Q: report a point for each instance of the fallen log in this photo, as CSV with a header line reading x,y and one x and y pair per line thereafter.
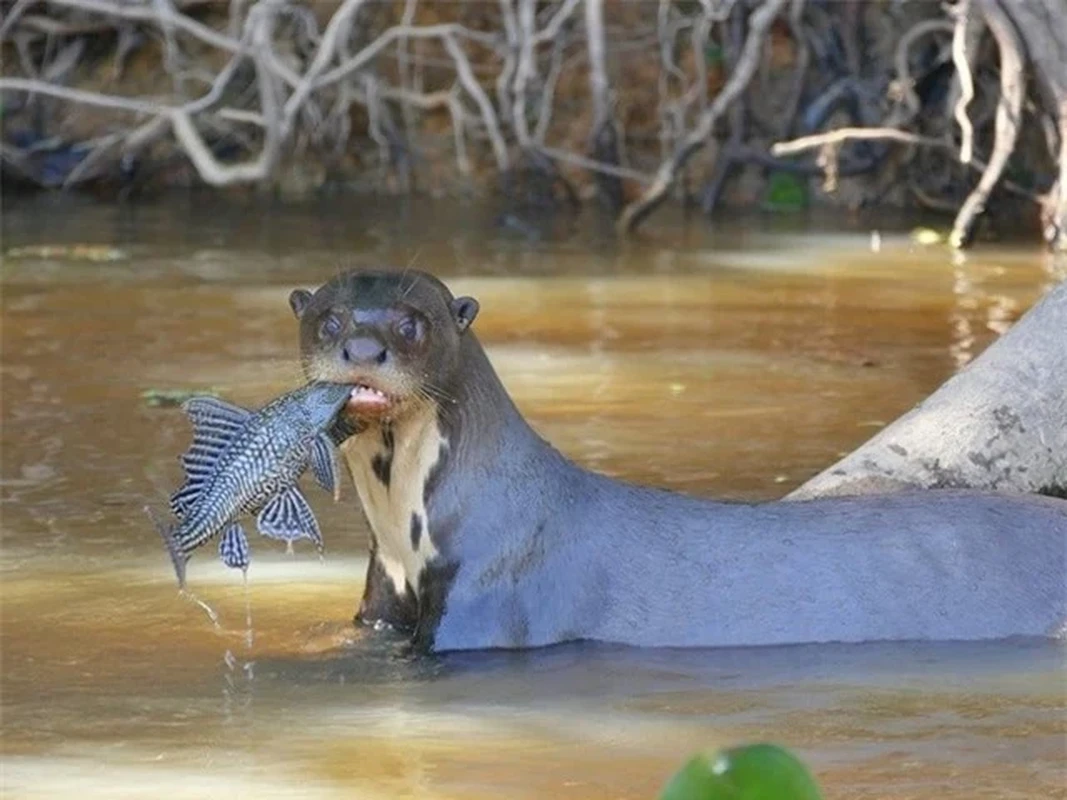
x,y
998,424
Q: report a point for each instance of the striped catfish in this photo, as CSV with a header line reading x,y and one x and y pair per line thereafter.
x,y
244,462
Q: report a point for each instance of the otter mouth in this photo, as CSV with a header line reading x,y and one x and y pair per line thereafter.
x,y
366,400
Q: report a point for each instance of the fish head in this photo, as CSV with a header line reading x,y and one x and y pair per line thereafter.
x,y
397,337
321,400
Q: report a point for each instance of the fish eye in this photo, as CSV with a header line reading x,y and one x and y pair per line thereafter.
x,y
330,326
409,329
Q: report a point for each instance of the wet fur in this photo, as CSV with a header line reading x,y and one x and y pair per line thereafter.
x,y
530,549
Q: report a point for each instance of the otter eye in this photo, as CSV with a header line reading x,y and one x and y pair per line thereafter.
x,y
408,327
330,326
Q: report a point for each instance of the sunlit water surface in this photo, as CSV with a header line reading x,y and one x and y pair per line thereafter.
x,y
733,361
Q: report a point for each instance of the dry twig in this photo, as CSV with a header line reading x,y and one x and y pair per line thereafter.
x,y
759,23
965,37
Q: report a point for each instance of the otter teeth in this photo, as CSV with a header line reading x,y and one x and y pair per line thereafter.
x,y
361,390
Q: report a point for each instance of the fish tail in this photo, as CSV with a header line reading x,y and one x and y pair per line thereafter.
x,y
167,531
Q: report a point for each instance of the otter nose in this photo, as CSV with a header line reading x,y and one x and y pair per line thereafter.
x,y
364,350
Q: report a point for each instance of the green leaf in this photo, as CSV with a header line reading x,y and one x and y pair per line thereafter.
x,y
713,54
751,772
785,192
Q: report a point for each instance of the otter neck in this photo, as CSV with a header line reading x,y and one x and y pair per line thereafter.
x,y
479,417
391,463
401,467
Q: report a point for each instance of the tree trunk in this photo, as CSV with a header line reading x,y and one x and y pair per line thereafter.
x,y
999,424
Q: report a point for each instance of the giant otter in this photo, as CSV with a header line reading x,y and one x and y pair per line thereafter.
x,y
485,536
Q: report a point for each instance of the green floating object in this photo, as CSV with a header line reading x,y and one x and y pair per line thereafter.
x,y
752,772
169,398
72,252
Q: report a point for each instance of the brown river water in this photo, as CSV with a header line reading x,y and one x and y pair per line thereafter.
x,y
733,361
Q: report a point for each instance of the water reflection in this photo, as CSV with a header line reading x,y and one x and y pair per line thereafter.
x,y
734,362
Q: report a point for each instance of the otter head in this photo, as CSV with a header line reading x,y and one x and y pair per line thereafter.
x,y
395,336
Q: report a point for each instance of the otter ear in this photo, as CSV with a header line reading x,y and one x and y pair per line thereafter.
x,y
464,310
298,301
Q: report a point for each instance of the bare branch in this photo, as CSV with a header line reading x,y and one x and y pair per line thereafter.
x,y
553,27
169,16
180,117
841,135
368,53
759,23
965,38
698,38
548,92
603,138
1006,128
667,69
374,121
94,157
595,166
13,16
904,82
511,53
474,89
339,25
48,26
146,13
308,83
80,96
261,21
599,87
404,67
236,12
524,71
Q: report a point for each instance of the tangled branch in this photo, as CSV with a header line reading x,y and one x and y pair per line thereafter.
x,y
761,19
621,97
972,19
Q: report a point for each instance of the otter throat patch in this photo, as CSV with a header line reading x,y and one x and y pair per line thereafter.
x,y
390,466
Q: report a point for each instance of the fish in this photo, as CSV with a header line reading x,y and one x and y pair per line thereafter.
x,y
244,462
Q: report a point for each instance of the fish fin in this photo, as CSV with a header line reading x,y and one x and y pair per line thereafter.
x,y
287,516
233,547
324,465
215,424
167,530
183,499
221,413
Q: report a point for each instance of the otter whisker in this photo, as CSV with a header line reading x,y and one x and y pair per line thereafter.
x,y
406,271
406,291
424,400
414,258
431,390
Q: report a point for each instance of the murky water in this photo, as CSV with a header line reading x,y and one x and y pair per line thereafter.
x,y
733,362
